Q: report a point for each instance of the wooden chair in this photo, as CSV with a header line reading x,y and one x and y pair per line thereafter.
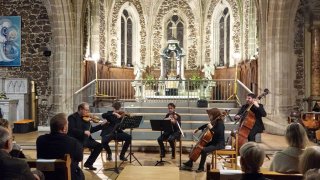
x,y
175,145
228,154
216,174
52,165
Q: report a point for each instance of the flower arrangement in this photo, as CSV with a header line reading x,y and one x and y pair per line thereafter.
x,y
3,95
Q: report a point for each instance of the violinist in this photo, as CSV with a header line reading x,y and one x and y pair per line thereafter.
x,y
113,131
81,129
216,127
170,136
258,111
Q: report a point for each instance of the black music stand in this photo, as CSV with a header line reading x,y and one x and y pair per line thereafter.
x,y
116,127
131,122
161,125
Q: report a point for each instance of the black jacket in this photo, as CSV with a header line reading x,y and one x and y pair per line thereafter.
x,y
77,126
13,168
218,132
259,113
55,146
175,126
113,124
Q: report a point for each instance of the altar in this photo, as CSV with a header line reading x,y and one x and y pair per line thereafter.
x,y
9,109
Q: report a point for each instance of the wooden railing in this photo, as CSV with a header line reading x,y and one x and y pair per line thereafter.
x,y
219,90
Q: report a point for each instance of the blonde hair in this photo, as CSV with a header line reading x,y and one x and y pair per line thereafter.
x,y
251,156
310,159
296,135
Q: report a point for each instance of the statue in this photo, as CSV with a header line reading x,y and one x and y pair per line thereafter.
x,y
208,70
138,70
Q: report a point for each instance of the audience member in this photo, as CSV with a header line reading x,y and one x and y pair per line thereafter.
x,y
287,161
16,149
56,144
310,159
11,167
251,159
312,174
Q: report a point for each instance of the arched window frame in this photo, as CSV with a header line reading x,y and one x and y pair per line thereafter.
x,y
175,25
184,19
215,38
136,27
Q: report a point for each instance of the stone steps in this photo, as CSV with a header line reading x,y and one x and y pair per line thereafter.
x,y
191,116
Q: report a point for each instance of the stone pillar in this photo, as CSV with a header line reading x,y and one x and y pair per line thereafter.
x,y
315,61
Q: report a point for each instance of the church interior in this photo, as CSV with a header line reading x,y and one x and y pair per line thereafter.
x,y
146,54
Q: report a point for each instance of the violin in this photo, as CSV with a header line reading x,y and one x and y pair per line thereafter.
x,y
89,117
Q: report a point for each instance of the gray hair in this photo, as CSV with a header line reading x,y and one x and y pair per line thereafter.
x,y
4,136
252,155
310,159
296,135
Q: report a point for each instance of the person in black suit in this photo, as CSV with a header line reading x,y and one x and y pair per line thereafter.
x,y
56,144
113,131
173,135
258,111
11,167
81,130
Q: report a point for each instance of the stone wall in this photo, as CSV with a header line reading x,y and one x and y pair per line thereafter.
x,y
36,36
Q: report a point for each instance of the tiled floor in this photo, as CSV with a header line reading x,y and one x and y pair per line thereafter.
x,y
270,143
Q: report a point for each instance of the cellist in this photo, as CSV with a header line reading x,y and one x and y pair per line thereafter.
x,y
216,126
258,111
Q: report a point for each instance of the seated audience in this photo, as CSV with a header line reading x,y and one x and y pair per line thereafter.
x,y
287,161
16,149
310,159
251,159
11,167
312,174
56,144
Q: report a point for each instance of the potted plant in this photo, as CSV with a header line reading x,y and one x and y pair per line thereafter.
x,y
194,81
150,81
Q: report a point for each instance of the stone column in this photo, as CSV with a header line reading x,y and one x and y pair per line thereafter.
x,y
315,61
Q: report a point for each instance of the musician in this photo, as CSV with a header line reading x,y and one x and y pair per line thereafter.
x,y
216,126
113,131
170,136
258,111
81,130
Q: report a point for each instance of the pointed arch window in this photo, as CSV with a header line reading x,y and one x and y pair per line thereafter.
x,y
175,29
126,39
224,38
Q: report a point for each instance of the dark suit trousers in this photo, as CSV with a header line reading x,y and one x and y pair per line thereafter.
x,y
120,137
171,137
95,150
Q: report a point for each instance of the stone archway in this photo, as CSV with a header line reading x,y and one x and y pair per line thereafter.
x,y
65,69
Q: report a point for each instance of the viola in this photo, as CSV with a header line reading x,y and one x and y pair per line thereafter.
x,y
247,122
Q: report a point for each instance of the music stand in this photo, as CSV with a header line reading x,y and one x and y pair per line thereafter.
x,y
161,125
116,127
131,122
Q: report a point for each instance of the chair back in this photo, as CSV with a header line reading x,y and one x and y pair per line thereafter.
x,y
52,165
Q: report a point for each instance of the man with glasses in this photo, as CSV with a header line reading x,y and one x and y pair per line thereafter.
x,y
12,168
81,130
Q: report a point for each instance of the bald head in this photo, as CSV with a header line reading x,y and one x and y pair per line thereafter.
x,y
5,139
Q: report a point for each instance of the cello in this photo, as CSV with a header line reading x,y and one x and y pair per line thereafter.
x,y
204,139
247,121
